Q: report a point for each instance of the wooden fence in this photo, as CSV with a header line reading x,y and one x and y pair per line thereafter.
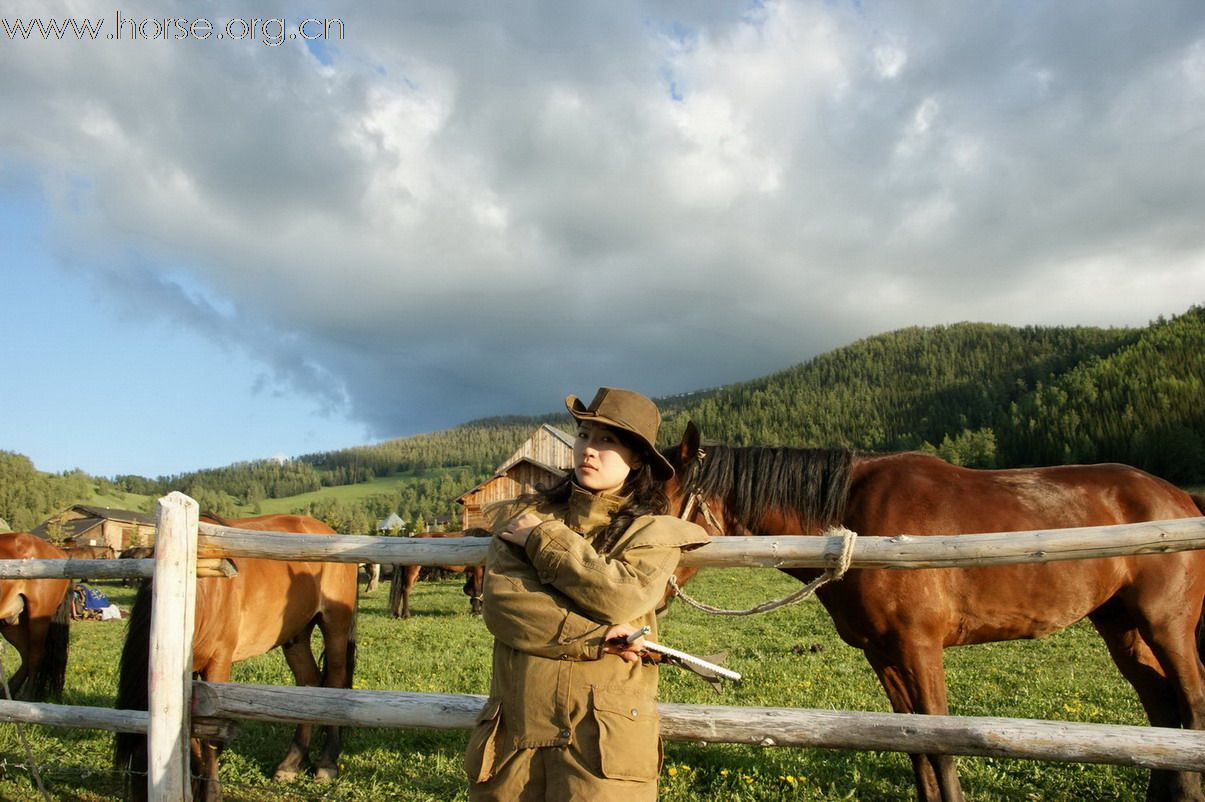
x,y
174,696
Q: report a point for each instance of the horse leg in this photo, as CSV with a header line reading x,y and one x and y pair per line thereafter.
x,y
206,784
18,636
411,576
914,678
1161,662
301,662
31,660
336,673
472,587
396,579
478,574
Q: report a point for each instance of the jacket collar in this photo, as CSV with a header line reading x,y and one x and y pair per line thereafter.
x,y
589,512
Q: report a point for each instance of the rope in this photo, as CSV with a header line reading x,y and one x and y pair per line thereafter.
x,y
835,571
33,763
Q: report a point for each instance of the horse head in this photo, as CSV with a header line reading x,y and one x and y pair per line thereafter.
x,y
688,498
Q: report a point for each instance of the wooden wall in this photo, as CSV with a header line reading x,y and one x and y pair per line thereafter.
x,y
521,478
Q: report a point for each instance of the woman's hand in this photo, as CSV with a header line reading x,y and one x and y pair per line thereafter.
x,y
614,642
519,527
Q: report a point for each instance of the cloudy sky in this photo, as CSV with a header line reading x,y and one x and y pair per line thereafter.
x,y
219,249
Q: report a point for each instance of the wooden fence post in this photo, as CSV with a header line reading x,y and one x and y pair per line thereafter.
x,y
170,671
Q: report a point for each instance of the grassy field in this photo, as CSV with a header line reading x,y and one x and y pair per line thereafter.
x,y
789,658
379,486
117,500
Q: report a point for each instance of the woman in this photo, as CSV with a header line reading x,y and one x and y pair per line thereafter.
x,y
571,572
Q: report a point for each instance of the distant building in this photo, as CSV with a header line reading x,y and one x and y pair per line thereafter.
x,y
546,458
83,525
393,523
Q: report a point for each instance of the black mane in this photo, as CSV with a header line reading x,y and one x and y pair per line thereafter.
x,y
812,483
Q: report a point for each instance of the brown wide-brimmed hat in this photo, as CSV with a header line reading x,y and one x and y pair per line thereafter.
x,y
630,411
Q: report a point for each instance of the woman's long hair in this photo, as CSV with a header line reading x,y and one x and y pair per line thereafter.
x,y
645,492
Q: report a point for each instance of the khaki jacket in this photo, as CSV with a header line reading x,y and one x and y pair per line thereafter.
x,y
548,606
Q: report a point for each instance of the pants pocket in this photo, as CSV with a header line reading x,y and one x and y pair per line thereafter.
x,y
629,735
481,755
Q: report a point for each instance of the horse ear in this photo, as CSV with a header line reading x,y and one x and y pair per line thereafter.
x,y
688,449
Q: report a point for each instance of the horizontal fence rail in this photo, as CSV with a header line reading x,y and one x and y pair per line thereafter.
x,y
69,569
99,718
1149,747
772,551
90,718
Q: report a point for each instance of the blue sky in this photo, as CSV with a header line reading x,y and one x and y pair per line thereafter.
x,y
96,384
218,250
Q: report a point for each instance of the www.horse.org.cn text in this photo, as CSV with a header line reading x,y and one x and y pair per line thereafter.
x,y
272,32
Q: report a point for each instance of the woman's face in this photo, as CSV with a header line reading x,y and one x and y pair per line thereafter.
x,y
601,462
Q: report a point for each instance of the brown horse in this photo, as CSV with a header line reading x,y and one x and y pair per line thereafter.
x,y
1147,608
135,553
35,616
404,577
91,552
269,603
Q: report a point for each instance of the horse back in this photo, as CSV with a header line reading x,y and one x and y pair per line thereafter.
x,y
915,494
24,546
42,596
918,494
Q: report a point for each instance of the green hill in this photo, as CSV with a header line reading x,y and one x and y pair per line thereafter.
x,y
976,393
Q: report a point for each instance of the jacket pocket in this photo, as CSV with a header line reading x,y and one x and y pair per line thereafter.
x,y
482,757
629,735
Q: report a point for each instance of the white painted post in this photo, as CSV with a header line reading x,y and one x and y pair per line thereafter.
x,y
173,602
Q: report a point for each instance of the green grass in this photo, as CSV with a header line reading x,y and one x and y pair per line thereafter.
x,y
790,658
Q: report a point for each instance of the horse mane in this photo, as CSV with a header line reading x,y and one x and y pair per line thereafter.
x,y
753,481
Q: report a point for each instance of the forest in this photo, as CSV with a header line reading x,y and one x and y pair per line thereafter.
x,y
976,394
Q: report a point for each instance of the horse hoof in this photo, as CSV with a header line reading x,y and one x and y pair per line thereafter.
x,y
325,774
284,775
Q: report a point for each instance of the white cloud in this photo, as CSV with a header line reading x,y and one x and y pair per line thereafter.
x,y
456,214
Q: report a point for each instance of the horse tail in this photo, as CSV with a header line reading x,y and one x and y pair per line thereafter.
x,y
53,672
1201,633
129,749
351,639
